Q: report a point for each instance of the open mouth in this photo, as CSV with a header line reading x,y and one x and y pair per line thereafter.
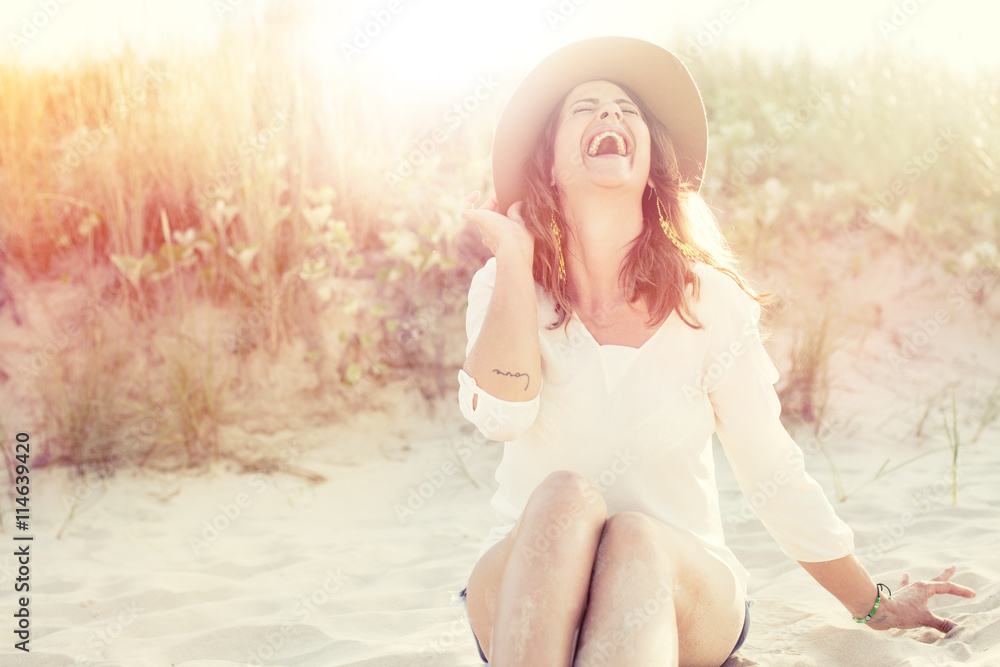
x,y
608,142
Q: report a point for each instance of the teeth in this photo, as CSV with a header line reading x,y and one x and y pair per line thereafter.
x,y
592,151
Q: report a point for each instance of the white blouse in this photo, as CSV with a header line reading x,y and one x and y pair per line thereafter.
x,y
638,423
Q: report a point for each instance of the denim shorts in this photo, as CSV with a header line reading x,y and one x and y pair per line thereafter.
x,y
739,642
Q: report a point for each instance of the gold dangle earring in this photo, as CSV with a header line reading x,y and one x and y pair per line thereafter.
x,y
559,252
691,253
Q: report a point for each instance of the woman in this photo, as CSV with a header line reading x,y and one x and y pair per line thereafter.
x,y
609,337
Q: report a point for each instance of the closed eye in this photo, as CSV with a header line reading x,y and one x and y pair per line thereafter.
x,y
625,109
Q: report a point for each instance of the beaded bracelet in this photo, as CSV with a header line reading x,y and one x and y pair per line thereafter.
x,y
878,599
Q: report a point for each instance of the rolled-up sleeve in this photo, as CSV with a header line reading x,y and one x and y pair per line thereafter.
x,y
769,466
496,419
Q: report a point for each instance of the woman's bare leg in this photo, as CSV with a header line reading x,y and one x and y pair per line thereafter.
x,y
527,595
657,597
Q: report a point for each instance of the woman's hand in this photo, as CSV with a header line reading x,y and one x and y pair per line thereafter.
x,y
907,608
502,234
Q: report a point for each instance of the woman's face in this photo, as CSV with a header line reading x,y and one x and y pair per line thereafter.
x,y
601,140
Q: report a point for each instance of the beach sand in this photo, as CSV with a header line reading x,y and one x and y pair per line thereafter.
x,y
218,568
226,569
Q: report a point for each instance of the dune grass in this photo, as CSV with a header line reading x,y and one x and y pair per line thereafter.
x,y
249,179
991,410
954,443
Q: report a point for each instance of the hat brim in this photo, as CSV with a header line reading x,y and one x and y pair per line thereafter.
x,y
654,74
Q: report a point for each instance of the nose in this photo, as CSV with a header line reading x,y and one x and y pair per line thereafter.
x,y
611,109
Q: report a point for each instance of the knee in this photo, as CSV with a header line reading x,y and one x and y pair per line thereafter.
x,y
568,493
638,553
565,510
637,536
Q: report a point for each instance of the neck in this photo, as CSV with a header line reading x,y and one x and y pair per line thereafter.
x,y
602,227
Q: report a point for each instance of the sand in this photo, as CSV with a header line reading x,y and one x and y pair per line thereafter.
x,y
225,569
221,569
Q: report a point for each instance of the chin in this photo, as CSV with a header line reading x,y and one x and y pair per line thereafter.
x,y
624,183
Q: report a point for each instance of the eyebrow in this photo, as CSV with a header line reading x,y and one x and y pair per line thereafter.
x,y
594,100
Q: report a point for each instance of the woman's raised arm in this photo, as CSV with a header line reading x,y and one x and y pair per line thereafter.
x,y
505,360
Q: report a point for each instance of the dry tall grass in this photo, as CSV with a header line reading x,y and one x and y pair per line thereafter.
x,y
251,178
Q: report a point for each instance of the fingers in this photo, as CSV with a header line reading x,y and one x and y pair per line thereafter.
x,y
945,574
514,212
472,214
949,588
942,624
905,580
468,205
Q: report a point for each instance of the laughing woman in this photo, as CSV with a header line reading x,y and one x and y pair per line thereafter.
x,y
609,336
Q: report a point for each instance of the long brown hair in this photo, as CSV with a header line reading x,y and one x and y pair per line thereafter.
x,y
654,269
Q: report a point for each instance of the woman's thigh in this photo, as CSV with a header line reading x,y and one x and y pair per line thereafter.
x,y
709,606
484,588
708,602
558,532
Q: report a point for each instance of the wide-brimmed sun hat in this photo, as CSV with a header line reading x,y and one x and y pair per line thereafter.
x,y
654,74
